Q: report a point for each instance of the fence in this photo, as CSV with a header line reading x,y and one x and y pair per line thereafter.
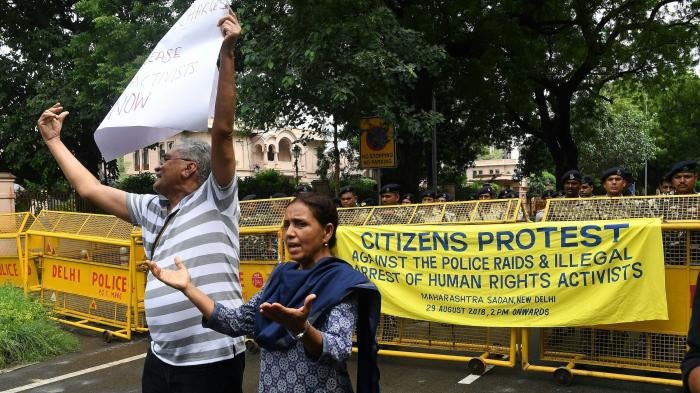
x,y
16,268
656,346
261,245
35,202
91,271
404,337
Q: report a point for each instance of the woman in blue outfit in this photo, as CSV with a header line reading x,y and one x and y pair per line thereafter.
x,y
305,316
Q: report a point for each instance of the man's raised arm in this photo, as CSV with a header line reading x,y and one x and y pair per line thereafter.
x,y
223,160
109,199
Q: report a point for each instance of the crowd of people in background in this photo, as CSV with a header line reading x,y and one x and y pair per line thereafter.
x,y
615,182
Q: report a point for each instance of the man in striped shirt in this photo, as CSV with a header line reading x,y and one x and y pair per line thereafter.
x,y
195,216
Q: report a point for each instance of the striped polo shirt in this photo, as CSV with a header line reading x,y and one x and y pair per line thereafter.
x,y
203,231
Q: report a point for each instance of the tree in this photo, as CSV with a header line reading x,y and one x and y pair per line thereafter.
x,y
678,131
539,182
305,62
550,56
140,183
81,53
620,136
502,70
265,183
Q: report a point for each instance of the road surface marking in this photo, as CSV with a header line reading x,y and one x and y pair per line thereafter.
x,y
472,377
73,374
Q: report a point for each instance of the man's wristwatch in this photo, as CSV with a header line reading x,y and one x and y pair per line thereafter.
x,y
301,335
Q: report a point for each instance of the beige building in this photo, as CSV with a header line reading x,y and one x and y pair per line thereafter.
x,y
498,167
270,150
7,192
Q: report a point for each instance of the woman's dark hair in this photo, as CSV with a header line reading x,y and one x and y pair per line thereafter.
x,y
322,208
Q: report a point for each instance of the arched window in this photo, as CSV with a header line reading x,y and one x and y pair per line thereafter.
x,y
285,150
258,154
270,153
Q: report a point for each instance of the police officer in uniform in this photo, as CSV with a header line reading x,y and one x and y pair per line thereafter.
x,y
570,210
683,176
586,190
614,182
390,194
485,192
348,197
571,181
428,196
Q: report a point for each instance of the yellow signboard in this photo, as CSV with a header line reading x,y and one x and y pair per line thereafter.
x,y
531,275
377,144
90,280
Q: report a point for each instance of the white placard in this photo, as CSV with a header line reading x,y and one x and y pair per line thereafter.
x,y
174,89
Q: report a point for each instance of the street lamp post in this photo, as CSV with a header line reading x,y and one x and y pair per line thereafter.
x,y
296,151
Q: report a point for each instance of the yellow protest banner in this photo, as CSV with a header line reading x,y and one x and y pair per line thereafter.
x,y
532,274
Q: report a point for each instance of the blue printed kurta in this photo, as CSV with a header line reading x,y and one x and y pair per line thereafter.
x,y
294,370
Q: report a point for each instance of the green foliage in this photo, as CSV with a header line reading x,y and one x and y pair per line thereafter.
x,y
81,53
468,192
26,332
265,183
620,136
678,131
140,183
324,163
539,182
365,186
499,71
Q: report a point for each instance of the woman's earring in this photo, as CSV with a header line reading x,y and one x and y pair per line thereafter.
x,y
325,244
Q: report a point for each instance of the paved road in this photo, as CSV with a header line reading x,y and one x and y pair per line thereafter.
x,y
122,364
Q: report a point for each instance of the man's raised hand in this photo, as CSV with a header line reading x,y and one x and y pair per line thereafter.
x,y
51,121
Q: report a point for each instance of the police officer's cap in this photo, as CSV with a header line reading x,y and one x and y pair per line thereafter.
x,y
427,194
627,175
616,171
249,197
683,166
507,194
442,195
485,190
392,187
347,189
549,194
278,195
571,175
368,202
304,188
587,180
409,197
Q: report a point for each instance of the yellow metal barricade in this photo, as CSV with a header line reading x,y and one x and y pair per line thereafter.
x,y
15,267
650,346
261,244
91,271
404,337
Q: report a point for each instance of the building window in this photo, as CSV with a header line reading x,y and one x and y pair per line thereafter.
x,y
170,145
474,173
137,160
481,172
498,171
490,171
145,159
270,153
161,152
